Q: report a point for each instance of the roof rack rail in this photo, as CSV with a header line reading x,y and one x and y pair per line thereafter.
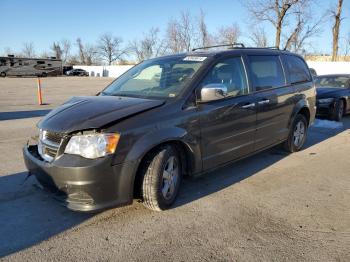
x,y
272,47
214,46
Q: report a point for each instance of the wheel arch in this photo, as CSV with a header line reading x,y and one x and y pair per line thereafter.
x,y
345,103
187,147
302,107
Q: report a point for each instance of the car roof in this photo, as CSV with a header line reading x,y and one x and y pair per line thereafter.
x,y
232,51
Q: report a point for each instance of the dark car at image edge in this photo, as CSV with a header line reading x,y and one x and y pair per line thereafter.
x,y
167,117
77,72
333,96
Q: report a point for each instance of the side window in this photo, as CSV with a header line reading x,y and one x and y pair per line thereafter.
x,y
231,73
266,72
297,69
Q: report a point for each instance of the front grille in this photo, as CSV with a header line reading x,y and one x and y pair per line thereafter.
x,y
53,137
49,144
50,151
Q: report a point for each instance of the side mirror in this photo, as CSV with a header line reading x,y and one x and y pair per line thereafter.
x,y
212,92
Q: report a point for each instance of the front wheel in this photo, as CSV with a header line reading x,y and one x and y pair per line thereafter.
x,y
162,173
3,74
297,134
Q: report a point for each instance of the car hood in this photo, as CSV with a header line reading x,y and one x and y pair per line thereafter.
x,y
327,91
82,113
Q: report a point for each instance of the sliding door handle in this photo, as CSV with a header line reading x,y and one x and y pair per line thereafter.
x,y
251,105
263,102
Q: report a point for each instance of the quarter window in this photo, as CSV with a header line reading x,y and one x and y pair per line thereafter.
x,y
298,70
229,72
266,72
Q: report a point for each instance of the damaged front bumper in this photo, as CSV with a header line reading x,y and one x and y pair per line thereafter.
x,y
83,184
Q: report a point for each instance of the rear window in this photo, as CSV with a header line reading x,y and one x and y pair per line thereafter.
x,y
298,70
266,72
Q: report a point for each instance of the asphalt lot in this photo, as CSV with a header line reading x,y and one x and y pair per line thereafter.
x,y
270,207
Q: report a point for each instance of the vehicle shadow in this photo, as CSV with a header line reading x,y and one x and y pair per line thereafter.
x,y
29,215
23,114
195,188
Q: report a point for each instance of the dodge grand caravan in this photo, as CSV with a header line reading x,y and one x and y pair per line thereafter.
x,y
167,117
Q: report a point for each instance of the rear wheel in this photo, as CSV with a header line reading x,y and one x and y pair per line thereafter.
x,y
297,134
338,111
3,74
162,173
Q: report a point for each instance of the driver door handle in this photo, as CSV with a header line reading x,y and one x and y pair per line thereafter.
x,y
251,105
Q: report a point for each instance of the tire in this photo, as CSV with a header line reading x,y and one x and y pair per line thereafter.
x,y
160,185
338,113
299,127
3,74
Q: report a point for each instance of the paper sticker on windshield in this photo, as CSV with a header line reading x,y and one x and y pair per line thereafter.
x,y
195,58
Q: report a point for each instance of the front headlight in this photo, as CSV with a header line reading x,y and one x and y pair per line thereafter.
x,y
325,100
92,145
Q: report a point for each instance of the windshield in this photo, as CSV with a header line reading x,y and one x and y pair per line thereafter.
x,y
333,81
163,77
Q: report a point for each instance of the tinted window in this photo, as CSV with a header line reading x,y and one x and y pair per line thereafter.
x,y
298,70
266,72
231,73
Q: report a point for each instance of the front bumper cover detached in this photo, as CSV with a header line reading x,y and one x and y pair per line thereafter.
x,y
83,184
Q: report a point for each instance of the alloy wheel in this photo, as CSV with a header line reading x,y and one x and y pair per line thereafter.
x,y
170,177
299,133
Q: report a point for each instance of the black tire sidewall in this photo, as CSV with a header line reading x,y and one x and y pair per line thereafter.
x,y
162,155
339,104
289,145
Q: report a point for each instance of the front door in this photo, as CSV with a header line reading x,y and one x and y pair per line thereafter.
x,y
227,125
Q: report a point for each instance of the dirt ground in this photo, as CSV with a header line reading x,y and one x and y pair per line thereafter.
x,y
270,207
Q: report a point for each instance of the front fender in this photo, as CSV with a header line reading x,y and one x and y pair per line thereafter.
x,y
160,136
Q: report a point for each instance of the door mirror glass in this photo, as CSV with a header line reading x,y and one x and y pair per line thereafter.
x,y
212,92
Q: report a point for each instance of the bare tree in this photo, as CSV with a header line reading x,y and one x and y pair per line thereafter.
x,y
305,28
73,60
110,49
65,48
149,46
273,11
259,37
228,34
8,51
181,35
56,48
81,51
44,54
205,38
347,44
336,28
28,49
91,54
174,42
